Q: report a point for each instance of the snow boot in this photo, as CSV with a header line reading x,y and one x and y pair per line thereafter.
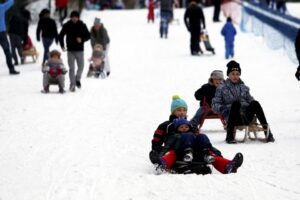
x,y
188,155
233,165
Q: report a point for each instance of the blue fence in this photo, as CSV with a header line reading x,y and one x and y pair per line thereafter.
x,y
279,30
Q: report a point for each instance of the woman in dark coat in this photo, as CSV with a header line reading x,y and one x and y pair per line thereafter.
x,y
48,28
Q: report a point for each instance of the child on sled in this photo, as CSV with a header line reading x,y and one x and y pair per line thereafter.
x,y
166,157
54,72
234,102
205,94
96,68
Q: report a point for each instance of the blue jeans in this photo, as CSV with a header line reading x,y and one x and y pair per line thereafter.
x,y
165,17
5,46
47,42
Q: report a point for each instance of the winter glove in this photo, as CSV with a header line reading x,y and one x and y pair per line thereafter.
x,y
154,157
297,74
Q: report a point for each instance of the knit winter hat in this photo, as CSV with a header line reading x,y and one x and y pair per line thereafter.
x,y
177,103
54,53
180,121
74,13
97,21
217,74
233,66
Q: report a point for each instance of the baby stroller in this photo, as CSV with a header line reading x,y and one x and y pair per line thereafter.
x,y
96,68
205,39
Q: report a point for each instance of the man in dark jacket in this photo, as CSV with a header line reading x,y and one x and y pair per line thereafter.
x,y
48,27
17,36
76,34
297,47
193,19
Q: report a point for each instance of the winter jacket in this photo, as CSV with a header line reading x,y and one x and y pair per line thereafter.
x,y
161,133
166,5
229,32
72,31
61,3
3,8
100,37
54,64
206,92
229,92
48,28
194,17
17,26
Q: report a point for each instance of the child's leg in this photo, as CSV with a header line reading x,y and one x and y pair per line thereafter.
x,y
169,159
232,50
220,163
227,51
46,78
61,81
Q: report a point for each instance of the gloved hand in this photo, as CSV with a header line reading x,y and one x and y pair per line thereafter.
x,y
154,157
297,74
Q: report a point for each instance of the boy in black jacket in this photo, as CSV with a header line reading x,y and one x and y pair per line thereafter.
x,y
76,34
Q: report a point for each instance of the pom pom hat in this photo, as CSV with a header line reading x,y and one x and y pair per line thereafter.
x,y
177,103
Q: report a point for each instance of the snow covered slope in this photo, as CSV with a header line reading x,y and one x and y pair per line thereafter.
x,y
93,144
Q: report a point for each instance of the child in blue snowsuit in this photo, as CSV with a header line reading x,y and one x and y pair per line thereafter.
x,y
229,32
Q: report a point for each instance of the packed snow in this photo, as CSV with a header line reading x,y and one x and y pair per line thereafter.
x,y
94,143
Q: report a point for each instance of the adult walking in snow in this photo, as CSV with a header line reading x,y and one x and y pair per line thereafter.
x,y
234,102
75,46
17,35
297,48
217,8
3,39
228,31
62,7
48,28
99,35
166,15
194,20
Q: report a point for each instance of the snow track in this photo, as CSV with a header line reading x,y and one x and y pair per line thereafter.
x,y
93,144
